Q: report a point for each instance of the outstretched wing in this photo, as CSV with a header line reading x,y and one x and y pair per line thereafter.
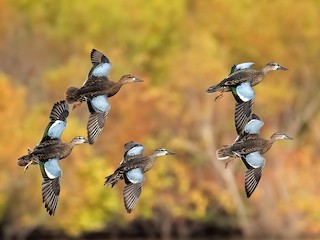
x,y
242,115
251,180
131,194
58,121
134,180
244,92
98,57
241,66
51,173
101,65
254,162
99,108
132,150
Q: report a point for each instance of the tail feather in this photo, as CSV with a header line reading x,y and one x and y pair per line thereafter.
x,y
24,160
113,179
71,95
214,88
224,153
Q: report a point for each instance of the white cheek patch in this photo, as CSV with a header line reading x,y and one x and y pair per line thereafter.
x,y
100,103
162,154
56,129
102,70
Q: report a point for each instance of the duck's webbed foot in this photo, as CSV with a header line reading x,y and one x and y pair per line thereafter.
x,y
219,96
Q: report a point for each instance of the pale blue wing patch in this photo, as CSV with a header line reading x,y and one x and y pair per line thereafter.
x,y
56,129
255,160
253,126
100,103
135,151
52,168
102,70
244,65
135,176
245,91
241,66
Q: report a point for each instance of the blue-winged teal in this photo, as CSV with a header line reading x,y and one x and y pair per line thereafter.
x,y
242,81
132,171
48,153
96,90
249,146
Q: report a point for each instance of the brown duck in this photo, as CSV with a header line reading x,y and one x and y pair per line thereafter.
x,y
96,90
132,170
240,82
48,153
249,146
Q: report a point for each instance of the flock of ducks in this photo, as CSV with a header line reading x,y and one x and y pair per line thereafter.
x,y
249,145
96,90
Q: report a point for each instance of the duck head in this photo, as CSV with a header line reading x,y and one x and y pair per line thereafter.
x,y
129,79
162,152
272,66
79,140
280,136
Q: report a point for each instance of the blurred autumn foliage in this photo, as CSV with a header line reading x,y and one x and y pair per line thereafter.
x,y
179,49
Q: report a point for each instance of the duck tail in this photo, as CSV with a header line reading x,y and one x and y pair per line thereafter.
x,y
71,95
223,153
214,88
112,179
24,160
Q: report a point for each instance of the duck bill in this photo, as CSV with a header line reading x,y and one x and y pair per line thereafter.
x,y
137,80
86,141
289,138
282,68
171,153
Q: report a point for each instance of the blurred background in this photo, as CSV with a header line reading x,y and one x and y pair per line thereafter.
x,y
179,48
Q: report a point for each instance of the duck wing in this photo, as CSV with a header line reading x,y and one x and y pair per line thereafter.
x,y
246,124
99,108
51,173
243,92
98,57
134,180
132,150
251,180
58,121
254,162
101,65
242,115
241,66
